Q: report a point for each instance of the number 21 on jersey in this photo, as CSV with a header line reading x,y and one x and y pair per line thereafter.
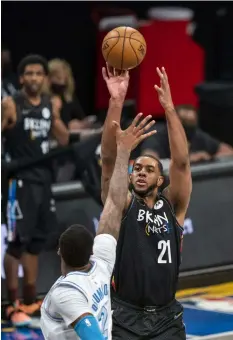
x,y
165,253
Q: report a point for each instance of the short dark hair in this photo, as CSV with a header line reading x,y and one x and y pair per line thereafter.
x,y
185,107
160,165
76,244
32,59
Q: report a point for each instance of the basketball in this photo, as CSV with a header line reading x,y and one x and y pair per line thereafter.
x,y
124,48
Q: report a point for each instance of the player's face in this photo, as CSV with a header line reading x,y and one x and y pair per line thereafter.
x,y
33,78
145,177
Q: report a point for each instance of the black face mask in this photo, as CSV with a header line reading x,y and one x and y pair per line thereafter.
x,y
190,130
58,88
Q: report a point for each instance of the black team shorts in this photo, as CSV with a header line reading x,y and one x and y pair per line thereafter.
x,y
149,323
30,213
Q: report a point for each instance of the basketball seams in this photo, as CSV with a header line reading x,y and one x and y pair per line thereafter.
x,y
112,47
138,41
133,49
121,53
125,38
123,47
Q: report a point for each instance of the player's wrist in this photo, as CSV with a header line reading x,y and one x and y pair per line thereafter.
x,y
169,108
123,150
116,102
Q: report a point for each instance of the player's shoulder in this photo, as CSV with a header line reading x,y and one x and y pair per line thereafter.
x,y
66,283
104,245
104,253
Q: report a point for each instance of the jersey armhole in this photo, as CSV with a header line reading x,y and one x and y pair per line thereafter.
x,y
172,211
129,208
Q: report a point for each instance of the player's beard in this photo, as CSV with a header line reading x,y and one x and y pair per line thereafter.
x,y
32,91
144,193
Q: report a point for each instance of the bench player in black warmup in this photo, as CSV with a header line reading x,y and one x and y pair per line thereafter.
x,y
149,246
28,118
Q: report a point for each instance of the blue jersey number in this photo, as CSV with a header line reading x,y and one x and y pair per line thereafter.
x,y
102,318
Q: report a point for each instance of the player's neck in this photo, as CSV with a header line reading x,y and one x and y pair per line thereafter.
x,y
34,99
149,199
85,268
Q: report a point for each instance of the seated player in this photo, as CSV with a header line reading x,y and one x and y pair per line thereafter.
x,y
79,301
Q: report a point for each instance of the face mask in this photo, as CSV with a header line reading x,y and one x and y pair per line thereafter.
x,y
58,88
190,130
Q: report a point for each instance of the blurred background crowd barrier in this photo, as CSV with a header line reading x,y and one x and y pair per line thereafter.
x,y
194,42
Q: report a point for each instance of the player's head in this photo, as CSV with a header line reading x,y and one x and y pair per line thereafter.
x,y
32,71
147,175
75,247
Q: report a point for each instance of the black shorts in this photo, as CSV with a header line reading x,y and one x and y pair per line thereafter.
x,y
150,323
30,212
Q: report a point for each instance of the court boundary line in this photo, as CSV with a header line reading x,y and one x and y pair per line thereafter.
x,y
213,336
205,310
194,272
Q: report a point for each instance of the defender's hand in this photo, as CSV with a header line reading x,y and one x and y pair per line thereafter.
x,y
163,91
117,82
135,133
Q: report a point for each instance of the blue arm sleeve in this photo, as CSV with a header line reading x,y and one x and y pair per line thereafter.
x,y
88,329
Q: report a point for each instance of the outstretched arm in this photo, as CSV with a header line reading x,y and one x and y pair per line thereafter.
x,y
180,188
117,195
117,86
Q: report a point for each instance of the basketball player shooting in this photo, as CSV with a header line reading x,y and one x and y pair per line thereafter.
x,y
79,301
149,245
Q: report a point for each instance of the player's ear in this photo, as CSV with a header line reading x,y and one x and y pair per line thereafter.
x,y
160,181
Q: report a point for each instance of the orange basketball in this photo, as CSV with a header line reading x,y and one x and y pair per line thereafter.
x,y
124,48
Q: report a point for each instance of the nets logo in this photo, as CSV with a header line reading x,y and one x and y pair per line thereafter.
x,y
3,250
155,230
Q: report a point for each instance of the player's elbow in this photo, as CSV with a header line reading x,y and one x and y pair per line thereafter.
x,y
182,163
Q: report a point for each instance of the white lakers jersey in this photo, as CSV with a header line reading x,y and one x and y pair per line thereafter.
x,y
81,292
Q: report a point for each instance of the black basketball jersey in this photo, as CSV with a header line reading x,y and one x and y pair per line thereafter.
x,y
29,138
148,254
